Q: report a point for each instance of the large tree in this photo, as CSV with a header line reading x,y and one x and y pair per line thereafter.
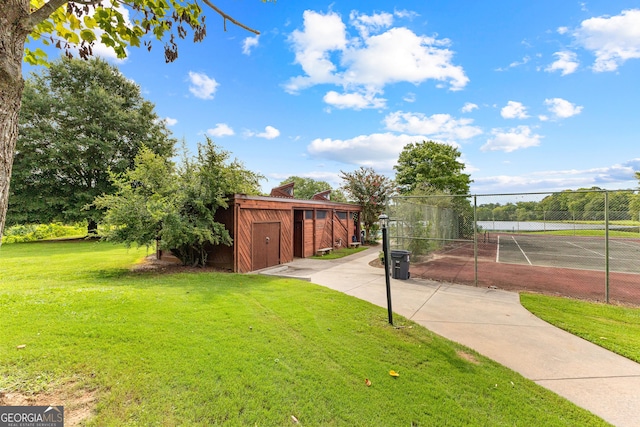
x,y
72,25
79,120
431,165
306,188
176,205
371,191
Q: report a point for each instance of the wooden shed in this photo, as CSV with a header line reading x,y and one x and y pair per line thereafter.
x,y
268,231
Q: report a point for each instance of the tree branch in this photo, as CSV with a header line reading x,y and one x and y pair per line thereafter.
x,y
229,18
43,13
52,5
48,8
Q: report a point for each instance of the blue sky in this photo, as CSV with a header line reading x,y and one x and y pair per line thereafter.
x,y
537,95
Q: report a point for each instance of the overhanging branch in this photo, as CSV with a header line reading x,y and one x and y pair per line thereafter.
x,y
229,18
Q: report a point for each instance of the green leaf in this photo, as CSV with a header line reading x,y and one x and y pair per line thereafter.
x,y
107,40
71,36
74,22
89,22
87,35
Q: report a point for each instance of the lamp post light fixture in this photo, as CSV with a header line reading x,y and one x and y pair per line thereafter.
x,y
384,223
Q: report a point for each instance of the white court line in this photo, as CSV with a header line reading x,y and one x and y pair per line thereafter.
x,y
589,250
525,255
498,251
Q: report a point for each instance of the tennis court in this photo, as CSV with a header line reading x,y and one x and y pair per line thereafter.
x,y
572,266
584,253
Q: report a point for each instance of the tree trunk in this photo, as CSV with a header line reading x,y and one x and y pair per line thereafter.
x,y
92,228
12,39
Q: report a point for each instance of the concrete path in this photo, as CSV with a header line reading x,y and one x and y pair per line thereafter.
x,y
493,323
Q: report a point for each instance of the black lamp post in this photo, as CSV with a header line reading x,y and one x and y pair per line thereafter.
x,y
384,222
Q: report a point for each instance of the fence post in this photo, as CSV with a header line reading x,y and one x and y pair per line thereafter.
x,y
475,240
606,246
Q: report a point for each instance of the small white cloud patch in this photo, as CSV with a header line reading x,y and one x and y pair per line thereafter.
x,y
249,43
514,110
512,139
202,86
561,108
566,63
221,129
269,133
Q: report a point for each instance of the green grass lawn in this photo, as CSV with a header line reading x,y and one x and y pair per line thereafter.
x,y
240,350
615,328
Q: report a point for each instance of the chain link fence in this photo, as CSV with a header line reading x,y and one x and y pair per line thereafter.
x,y
581,244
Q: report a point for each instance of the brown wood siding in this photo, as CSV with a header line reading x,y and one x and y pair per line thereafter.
x,y
324,231
248,217
308,249
341,230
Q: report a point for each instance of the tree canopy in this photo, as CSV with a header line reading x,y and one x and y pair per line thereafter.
x,y
371,191
431,165
76,26
306,188
175,204
79,120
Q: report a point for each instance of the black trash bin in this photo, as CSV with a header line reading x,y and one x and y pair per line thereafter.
x,y
400,264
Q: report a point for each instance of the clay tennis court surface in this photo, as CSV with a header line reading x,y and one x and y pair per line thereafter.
x,y
554,265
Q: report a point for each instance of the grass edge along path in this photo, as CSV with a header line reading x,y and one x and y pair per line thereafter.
x,y
228,349
613,327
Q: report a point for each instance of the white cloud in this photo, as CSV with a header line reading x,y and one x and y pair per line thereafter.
x,y
322,34
269,133
566,63
615,177
613,40
329,55
169,121
202,86
409,97
619,173
515,64
469,107
249,43
438,126
221,129
514,110
563,30
562,108
366,24
409,14
523,61
408,58
511,140
356,101
378,150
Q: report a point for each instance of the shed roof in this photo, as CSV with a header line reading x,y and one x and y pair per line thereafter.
x,y
290,203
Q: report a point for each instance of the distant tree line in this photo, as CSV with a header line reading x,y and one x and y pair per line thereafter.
x,y
585,204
